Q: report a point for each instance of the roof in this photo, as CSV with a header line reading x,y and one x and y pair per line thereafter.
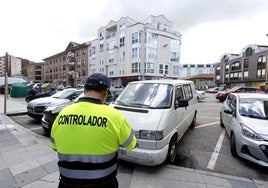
x,y
198,76
164,81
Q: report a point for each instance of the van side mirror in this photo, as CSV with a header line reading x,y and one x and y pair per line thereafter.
x,y
179,103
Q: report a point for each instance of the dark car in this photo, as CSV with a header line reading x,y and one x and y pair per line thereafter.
x,y
222,95
52,111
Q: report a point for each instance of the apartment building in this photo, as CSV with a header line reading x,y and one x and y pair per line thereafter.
x,y
2,66
14,65
35,71
125,50
188,70
69,67
249,68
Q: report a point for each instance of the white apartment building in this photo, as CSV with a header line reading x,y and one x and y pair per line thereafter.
x,y
14,65
127,50
2,66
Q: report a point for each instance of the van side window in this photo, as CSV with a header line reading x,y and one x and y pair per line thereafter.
x,y
188,92
179,93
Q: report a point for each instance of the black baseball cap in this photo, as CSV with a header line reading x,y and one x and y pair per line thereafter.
x,y
98,82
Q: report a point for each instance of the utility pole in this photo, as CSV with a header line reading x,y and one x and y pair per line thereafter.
x,y
6,84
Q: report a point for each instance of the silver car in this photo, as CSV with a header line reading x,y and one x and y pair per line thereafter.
x,y
245,118
36,107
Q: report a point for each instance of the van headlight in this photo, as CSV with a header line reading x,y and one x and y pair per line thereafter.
x,y
149,135
247,132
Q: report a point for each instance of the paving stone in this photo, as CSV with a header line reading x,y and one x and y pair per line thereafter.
x,y
6,179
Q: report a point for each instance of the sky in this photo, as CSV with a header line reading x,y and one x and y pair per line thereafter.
x,y
37,29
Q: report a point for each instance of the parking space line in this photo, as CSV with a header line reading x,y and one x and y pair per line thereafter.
x,y
216,152
36,128
208,124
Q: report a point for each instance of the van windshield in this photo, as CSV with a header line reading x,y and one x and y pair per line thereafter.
x,y
146,95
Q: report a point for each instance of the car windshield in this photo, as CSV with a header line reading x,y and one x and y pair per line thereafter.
x,y
146,95
64,94
254,108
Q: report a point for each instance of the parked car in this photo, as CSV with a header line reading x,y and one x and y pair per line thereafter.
x,y
36,107
221,95
201,95
245,118
160,112
214,89
51,112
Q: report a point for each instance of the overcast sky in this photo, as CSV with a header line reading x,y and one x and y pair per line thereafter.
x,y
36,29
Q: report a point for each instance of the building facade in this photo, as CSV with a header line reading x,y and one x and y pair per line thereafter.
x,y
125,50
69,67
15,65
35,71
188,70
249,68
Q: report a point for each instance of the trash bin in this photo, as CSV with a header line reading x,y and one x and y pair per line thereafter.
x,y
18,90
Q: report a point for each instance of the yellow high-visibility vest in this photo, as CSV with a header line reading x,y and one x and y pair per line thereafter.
x,y
90,133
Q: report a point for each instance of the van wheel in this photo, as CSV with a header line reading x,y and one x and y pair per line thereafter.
x,y
221,122
233,145
193,124
172,151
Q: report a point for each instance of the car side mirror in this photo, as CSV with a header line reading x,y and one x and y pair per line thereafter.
x,y
179,103
230,111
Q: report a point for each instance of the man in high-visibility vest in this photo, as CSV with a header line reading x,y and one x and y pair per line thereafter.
x,y
87,135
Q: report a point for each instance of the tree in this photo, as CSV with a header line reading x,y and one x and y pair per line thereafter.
x,y
24,71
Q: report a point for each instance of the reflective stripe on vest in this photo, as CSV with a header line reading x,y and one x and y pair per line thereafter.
x,y
87,174
86,158
129,140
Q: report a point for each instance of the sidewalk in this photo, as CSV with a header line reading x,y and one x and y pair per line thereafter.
x,y
27,161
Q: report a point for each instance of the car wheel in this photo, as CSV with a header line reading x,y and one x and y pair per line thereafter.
x,y
193,123
233,145
172,153
221,123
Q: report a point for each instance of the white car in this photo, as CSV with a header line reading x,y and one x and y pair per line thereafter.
x,y
36,107
245,118
160,112
201,95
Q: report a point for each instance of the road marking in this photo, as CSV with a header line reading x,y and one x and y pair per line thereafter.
x,y
215,154
36,128
208,124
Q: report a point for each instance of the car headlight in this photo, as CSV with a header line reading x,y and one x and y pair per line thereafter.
x,y
149,135
247,132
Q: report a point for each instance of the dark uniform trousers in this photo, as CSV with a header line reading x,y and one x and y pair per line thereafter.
x,y
111,184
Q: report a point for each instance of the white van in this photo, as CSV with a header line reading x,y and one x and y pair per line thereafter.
x,y
160,112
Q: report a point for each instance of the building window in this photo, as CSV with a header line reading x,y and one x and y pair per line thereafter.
x,y
174,57
135,53
227,67
101,47
245,75
136,38
236,65
163,69
122,28
149,68
262,59
122,41
176,70
261,73
246,62
135,68
151,53
218,77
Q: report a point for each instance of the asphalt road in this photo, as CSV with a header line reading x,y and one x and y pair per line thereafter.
x,y
206,147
